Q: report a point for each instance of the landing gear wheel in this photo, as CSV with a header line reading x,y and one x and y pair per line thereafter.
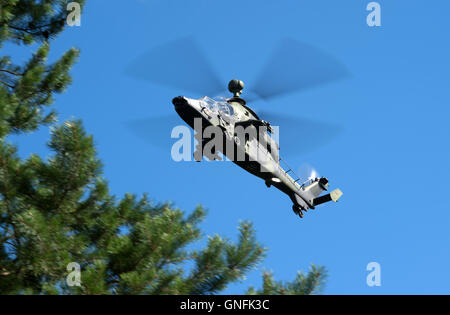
x,y
297,211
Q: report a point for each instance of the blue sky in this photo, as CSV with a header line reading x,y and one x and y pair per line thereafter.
x,y
391,161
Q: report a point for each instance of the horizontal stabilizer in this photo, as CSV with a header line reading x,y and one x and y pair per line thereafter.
x,y
336,194
333,196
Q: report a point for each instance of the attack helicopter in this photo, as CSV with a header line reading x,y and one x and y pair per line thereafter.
x,y
259,151
189,70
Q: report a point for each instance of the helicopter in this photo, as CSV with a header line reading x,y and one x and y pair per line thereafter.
x,y
257,151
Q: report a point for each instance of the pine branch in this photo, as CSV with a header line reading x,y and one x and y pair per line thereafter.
x,y
11,72
8,85
6,199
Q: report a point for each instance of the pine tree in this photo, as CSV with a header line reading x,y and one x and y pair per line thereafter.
x,y
304,284
57,211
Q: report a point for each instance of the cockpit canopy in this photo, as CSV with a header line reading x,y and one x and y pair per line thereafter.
x,y
218,106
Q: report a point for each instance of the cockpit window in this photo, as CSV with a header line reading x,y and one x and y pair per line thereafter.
x,y
226,108
220,106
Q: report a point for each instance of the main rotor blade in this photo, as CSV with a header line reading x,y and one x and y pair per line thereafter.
x,y
301,135
156,131
295,66
296,135
180,64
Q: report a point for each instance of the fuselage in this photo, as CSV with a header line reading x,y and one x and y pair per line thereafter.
x,y
255,150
